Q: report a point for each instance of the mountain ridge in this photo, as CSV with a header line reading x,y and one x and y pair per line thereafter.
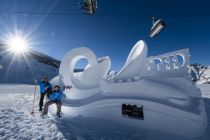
x,y
35,65
200,73
27,67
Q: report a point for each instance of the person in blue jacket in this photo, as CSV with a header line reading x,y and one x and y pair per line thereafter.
x,y
45,88
55,98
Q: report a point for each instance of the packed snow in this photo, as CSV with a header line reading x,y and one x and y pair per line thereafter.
x,y
171,102
16,121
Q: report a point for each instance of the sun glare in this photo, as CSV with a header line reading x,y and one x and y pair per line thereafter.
x,y
18,45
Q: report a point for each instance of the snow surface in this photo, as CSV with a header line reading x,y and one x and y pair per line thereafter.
x,y
17,123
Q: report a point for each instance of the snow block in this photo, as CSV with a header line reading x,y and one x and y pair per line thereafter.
x,y
170,102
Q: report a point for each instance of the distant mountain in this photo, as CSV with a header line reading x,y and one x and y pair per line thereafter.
x,y
200,73
26,68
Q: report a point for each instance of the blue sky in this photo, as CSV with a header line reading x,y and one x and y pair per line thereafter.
x,y
115,28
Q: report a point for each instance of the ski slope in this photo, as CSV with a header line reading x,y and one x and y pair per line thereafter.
x,y
17,123
24,69
15,119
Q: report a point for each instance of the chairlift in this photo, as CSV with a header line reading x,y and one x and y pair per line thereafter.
x,y
158,26
89,6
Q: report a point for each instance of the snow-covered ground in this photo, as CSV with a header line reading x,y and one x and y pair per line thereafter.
x,y
16,121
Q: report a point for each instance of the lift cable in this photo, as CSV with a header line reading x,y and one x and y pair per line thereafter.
x,y
103,15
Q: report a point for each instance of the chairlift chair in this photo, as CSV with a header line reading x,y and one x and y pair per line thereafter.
x,y
89,6
158,26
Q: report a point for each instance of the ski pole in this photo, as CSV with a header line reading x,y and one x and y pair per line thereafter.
x,y
32,111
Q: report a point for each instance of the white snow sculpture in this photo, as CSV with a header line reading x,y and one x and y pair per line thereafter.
x,y
161,84
134,61
87,82
168,64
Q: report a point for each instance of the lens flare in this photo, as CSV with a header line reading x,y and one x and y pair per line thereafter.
x,y
17,44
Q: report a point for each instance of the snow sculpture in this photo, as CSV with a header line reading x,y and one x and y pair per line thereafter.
x,y
156,91
86,83
134,61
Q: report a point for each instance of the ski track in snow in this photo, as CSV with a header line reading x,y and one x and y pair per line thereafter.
x,y
16,121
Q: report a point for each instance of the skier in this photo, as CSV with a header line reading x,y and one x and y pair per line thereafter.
x,y
55,97
45,88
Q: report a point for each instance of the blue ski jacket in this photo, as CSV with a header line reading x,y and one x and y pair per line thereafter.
x,y
56,95
43,85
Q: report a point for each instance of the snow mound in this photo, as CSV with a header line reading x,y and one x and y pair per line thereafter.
x,y
16,121
170,101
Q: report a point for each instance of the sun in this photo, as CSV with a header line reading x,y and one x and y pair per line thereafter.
x,y
17,44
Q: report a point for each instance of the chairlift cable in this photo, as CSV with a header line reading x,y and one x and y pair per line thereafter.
x,y
99,15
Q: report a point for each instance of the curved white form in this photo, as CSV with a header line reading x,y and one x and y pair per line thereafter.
x,y
86,83
134,61
161,84
69,61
